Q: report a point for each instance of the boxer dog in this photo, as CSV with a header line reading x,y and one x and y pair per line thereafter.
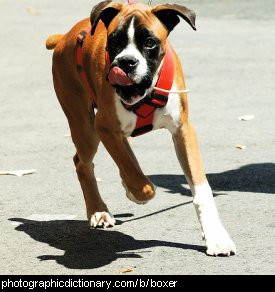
x,y
115,68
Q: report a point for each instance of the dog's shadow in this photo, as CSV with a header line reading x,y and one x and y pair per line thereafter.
x,y
86,248
252,178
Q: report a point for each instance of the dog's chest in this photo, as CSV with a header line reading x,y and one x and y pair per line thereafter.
x,y
127,119
167,117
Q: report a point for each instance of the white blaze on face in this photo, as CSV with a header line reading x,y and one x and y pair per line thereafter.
x,y
132,51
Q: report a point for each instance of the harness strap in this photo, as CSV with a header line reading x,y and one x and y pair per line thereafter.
x,y
146,108
80,40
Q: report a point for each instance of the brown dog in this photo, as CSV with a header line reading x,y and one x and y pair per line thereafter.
x,y
115,67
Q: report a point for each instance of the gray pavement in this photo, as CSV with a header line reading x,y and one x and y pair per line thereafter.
x,y
229,65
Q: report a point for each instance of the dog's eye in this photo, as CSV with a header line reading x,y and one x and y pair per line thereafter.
x,y
150,44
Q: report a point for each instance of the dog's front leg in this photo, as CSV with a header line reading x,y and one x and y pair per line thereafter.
x,y
86,141
218,241
138,187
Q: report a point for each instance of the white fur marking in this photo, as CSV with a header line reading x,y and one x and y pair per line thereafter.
x,y
126,118
132,50
169,116
131,32
217,239
102,219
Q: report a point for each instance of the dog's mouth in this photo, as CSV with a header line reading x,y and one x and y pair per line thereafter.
x,y
131,95
128,90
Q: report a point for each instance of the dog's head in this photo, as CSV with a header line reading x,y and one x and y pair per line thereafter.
x,y
136,42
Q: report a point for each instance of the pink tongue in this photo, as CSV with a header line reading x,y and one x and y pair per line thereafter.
x,y
119,77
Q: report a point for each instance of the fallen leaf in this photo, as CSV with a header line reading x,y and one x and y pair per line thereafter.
x,y
127,270
32,11
18,172
242,147
246,118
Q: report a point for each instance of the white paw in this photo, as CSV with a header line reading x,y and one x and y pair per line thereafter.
x,y
102,219
220,243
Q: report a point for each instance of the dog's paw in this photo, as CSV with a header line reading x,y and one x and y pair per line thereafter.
x,y
219,243
102,219
147,192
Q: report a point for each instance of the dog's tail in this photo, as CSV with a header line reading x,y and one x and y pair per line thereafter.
x,y
53,40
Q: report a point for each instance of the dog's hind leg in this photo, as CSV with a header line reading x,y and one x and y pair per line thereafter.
x,y
218,241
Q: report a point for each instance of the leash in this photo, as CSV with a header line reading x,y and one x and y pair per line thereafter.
x,y
171,91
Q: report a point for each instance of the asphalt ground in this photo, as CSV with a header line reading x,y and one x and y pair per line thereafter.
x,y
229,66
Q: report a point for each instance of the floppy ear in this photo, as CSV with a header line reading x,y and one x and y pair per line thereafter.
x,y
105,11
169,14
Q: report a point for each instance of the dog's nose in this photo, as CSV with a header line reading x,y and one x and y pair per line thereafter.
x,y
128,63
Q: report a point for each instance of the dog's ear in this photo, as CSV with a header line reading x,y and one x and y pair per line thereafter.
x,y
169,14
105,11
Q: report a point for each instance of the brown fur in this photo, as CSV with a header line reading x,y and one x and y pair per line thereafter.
x,y
88,129
53,40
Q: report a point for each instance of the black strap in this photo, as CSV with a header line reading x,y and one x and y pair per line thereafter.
x,y
141,131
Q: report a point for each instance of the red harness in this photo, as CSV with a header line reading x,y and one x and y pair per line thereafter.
x,y
145,108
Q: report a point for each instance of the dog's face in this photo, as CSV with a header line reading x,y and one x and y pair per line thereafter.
x,y
135,48
136,43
